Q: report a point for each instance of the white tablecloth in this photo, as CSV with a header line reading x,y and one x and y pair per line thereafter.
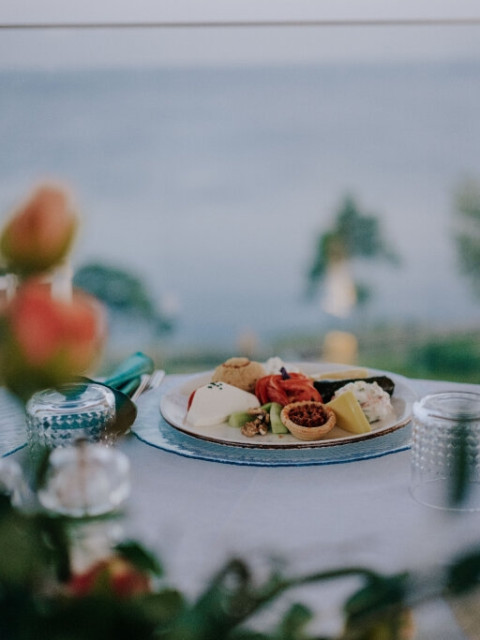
x,y
198,513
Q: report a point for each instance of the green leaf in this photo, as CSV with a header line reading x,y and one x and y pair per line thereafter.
x,y
54,533
247,634
139,556
464,573
23,549
294,622
380,593
163,607
123,293
95,618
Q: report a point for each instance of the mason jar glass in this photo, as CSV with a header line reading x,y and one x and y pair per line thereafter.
x,y
445,453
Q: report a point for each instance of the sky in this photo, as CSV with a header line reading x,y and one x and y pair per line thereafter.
x,y
186,45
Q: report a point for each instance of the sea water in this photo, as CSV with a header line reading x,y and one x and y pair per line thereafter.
x,y
213,184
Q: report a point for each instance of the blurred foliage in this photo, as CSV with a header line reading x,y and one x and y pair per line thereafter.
x,y
426,361
353,235
467,236
410,349
122,292
34,594
457,354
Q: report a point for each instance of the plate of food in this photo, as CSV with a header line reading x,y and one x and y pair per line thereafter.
x,y
275,405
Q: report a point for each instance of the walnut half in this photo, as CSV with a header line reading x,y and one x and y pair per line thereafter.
x,y
258,425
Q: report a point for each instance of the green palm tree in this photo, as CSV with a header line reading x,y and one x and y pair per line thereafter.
x,y
353,235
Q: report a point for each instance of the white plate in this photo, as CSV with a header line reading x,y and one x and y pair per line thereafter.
x,y
173,406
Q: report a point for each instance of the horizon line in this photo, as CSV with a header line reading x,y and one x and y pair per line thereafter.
x,y
223,24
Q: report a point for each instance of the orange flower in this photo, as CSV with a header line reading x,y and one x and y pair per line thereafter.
x,y
47,341
114,576
40,233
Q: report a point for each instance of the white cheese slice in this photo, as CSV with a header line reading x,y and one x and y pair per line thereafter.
x,y
215,401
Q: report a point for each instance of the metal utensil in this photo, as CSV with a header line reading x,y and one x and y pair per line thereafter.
x,y
149,382
156,379
144,382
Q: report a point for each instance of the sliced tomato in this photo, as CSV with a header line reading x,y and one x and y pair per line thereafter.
x,y
261,389
300,390
295,388
190,399
274,391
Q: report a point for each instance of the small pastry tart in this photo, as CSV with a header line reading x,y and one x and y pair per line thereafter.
x,y
308,420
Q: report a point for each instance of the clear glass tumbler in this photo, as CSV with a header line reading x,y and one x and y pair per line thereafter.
x,y
88,479
445,450
60,417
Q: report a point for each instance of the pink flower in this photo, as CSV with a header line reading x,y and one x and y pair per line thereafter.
x,y
113,576
40,233
47,341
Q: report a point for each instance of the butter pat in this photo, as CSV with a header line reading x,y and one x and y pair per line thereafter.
x,y
349,413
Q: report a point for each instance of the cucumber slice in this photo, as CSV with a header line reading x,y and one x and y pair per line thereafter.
x,y
238,419
276,424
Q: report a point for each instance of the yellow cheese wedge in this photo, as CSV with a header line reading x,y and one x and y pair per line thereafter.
x,y
349,413
342,375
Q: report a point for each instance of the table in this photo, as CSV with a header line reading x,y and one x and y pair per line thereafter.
x,y
197,513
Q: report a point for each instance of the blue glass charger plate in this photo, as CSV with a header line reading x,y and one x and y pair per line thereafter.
x,y
151,428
